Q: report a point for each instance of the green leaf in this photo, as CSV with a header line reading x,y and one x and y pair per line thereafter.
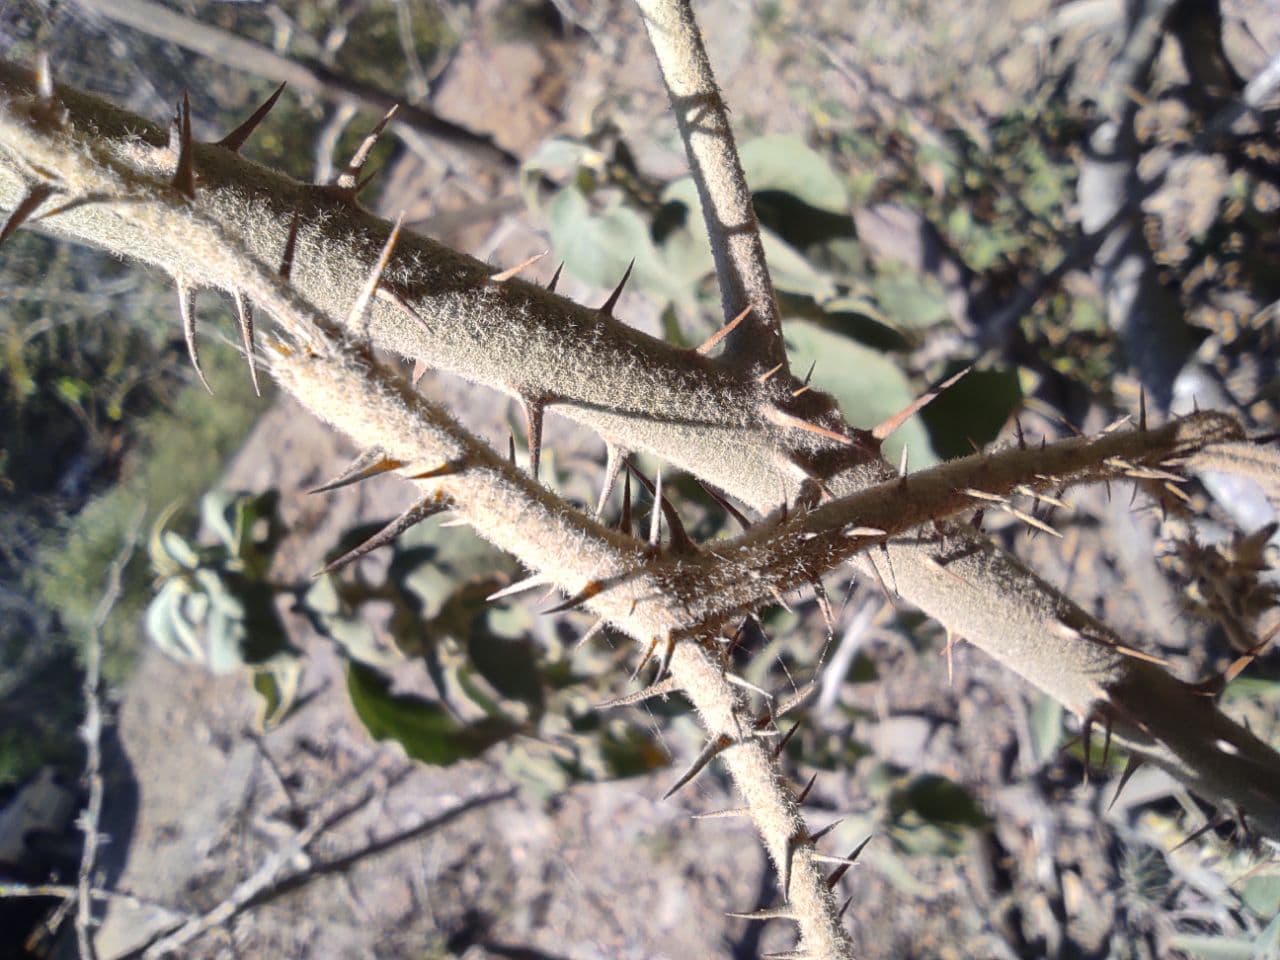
x,y
1046,727
424,729
868,385
1205,947
597,247
975,409
909,299
276,682
785,162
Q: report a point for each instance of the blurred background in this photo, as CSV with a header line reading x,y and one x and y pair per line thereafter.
x,y
429,769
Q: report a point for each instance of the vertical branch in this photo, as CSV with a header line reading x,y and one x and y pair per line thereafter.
x,y
722,187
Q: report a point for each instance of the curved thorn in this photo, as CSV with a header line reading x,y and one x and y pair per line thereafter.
x,y
371,463
728,507
555,278
709,344
36,195
709,752
680,539
360,309
234,140
1130,768
606,309
614,456
186,307
416,514
244,314
184,175
504,275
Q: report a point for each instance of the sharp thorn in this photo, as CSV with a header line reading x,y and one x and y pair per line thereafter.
x,y
783,419
290,245
796,700
768,374
1130,768
520,586
555,278
803,795
1142,408
680,539
844,907
902,462
728,507
359,310
887,427
1213,824
646,657
187,309
594,630
797,954
614,456
184,175
511,449
664,665
592,588
448,468
1086,738
36,195
505,275
723,814
783,912
1017,429
709,752
533,411
624,521
44,77
371,463
662,688
1106,741
788,861
815,837
420,368
709,344
838,873
348,180
416,514
234,140
655,516
781,745
244,314
824,605
606,309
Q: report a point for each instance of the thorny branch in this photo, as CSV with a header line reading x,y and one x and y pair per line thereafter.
x,y
198,212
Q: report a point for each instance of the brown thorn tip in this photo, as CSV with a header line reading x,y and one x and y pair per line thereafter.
x,y
187,309
887,427
708,753
606,308
184,175
371,463
804,794
815,837
244,314
416,514
781,745
592,588
838,873
505,275
360,308
709,344
555,278
1142,407
36,195
234,140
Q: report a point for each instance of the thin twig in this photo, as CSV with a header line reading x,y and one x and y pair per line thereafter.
x,y
91,733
